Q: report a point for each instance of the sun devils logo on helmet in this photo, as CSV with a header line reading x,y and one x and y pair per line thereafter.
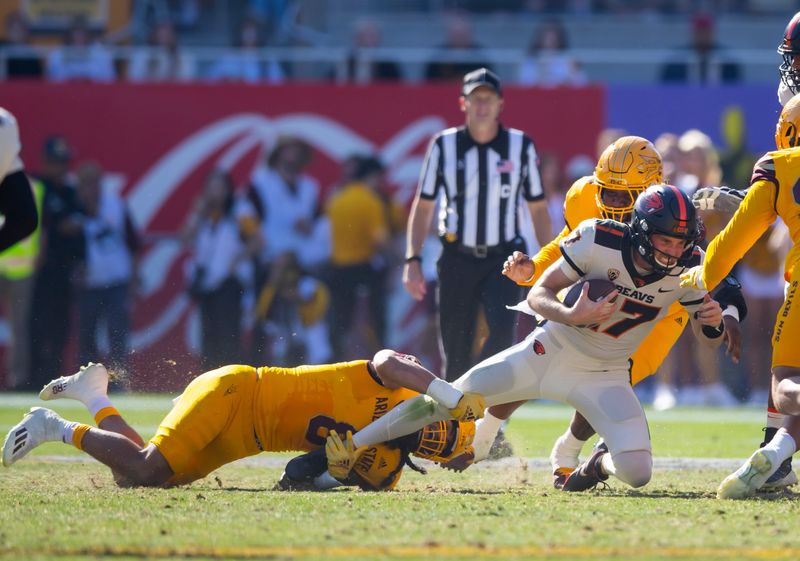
x,y
652,202
538,348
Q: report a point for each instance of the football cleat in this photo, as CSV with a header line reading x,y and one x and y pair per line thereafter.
x,y
588,475
752,475
783,478
90,381
560,477
39,425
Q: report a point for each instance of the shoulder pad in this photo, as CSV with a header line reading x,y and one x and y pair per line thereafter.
x,y
764,170
609,233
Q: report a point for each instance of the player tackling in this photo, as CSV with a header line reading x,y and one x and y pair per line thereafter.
x,y
587,367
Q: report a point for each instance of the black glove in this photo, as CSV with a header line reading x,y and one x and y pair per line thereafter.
x,y
729,293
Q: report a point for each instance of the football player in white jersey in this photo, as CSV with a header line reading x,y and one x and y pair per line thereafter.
x,y
17,204
580,355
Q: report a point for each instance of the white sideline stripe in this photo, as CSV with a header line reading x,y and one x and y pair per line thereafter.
x,y
548,411
266,461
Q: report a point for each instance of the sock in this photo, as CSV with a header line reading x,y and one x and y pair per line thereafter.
x,y
782,444
566,451
97,404
404,419
77,435
104,413
774,418
607,464
485,431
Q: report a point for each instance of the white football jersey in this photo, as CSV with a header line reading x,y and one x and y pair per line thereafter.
x,y
602,249
9,145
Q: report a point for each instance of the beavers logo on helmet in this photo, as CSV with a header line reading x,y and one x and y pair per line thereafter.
x,y
652,202
538,348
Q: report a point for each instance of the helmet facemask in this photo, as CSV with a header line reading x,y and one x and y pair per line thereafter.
x,y
790,76
443,440
629,164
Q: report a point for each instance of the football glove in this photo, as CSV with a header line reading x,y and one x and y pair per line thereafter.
x,y
722,199
341,456
693,278
469,408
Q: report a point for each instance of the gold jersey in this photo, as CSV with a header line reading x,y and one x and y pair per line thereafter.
x,y
774,191
581,204
296,407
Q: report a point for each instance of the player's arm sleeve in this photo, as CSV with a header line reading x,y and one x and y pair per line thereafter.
x,y
750,221
431,177
576,250
18,207
531,179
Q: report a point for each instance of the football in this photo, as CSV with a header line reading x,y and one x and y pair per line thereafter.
x,y
597,289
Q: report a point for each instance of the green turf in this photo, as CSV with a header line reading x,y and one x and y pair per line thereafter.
x,y
67,510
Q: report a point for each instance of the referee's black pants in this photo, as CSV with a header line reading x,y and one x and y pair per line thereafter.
x,y
465,283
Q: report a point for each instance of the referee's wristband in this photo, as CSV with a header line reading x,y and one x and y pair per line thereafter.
x,y
414,258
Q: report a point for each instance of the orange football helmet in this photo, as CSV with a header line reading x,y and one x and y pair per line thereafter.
x,y
786,134
629,165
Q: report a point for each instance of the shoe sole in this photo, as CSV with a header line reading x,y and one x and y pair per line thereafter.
x,y
739,486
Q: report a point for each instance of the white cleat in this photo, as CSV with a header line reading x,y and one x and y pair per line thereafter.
x,y
37,426
90,381
746,480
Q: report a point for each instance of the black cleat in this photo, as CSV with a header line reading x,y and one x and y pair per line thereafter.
x,y
588,474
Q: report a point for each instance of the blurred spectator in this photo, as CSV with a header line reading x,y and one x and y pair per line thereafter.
x,y
245,64
286,200
554,188
294,306
63,250
605,139
362,68
23,60
698,166
80,58
163,61
17,266
224,237
108,284
548,62
736,160
359,235
458,41
703,61
667,146
697,367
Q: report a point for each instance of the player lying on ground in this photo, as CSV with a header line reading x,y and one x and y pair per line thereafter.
x,y
625,169
774,192
238,411
580,355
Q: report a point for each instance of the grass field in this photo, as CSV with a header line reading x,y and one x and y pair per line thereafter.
x,y
57,505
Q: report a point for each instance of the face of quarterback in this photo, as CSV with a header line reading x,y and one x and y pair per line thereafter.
x,y
482,106
667,249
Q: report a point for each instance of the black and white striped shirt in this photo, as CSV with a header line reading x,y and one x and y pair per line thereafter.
x,y
480,184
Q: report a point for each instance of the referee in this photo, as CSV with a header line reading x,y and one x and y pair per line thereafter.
x,y
479,172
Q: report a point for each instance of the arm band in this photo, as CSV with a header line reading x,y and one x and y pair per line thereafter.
x,y
444,393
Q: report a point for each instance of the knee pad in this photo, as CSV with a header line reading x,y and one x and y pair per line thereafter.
x,y
634,468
